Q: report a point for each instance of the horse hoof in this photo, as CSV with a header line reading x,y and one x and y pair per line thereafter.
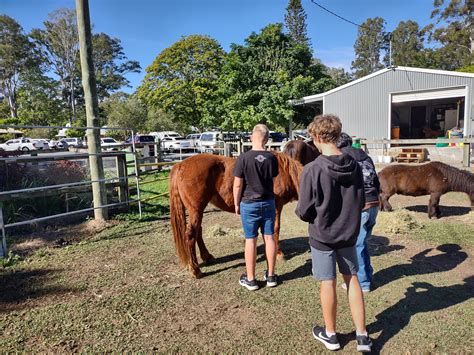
x,y
197,274
208,260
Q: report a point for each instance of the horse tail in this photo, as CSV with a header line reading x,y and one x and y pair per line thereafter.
x,y
178,216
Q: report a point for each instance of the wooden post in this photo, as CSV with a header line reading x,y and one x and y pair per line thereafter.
x,y
4,251
121,165
99,192
466,155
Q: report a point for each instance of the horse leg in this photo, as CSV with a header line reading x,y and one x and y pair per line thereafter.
x,y
433,207
205,255
386,206
276,235
191,237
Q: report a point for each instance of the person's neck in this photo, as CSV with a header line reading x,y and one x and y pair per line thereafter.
x,y
330,149
258,146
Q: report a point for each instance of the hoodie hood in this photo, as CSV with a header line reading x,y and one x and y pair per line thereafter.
x,y
341,168
357,154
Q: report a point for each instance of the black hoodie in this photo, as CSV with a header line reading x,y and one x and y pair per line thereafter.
x,y
371,180
331,199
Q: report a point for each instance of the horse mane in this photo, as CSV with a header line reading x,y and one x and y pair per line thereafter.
x,y
294,168
458,180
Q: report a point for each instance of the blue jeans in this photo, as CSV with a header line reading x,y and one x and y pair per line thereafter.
x,y
367,223
258,215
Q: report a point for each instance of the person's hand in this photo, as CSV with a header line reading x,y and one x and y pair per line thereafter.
x,y
237,210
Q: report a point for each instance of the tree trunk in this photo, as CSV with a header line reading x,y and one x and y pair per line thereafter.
x,y
73,100
10,94
92,108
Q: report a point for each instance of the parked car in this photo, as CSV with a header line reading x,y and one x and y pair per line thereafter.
x,y
73,142
194,139
23,144
57,144
175,144
41,143
166,134
110,144
210,142
141,138
276,137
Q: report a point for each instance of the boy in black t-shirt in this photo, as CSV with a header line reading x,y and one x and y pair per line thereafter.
x,y
255,203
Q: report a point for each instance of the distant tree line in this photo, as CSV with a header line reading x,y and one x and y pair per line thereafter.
x,y
195,83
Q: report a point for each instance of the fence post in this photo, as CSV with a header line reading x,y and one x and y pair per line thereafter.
x,y
4,237
121,165
466,155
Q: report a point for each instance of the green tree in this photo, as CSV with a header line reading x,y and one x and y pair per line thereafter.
x,y
182,79
295,22
110,65
59,45
339,75
260,77
454,31
16,56
407,45
369,47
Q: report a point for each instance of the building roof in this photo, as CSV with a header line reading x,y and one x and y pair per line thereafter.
x,y
319,97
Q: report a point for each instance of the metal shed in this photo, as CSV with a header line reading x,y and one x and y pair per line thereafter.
x,y
400,102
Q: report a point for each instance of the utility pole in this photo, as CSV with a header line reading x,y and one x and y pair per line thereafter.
x,y
92,109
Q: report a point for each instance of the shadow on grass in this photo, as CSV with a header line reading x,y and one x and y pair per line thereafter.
x,y
446,211
421,297
450,257
16,287
381,245
290,247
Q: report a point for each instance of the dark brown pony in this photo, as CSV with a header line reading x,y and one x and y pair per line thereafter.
x,y
304,152
433,179
206,178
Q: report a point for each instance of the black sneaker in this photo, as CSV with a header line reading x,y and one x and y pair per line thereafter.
x,y
271,280
330,342
250,285
364,344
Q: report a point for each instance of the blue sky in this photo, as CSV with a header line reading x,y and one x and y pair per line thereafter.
x,y
146,27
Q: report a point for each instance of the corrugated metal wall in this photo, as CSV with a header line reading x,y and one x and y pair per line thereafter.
x,y
364,107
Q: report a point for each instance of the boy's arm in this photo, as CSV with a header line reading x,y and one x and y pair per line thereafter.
x,y
305,209
238,183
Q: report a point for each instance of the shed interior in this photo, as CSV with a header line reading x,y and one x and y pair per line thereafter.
x,y
426,118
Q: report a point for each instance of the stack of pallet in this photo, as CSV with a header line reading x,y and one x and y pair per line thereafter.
x,y
411,155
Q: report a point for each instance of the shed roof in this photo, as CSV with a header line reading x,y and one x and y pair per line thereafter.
x,y
319,97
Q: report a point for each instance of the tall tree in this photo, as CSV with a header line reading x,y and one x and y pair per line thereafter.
x,y
454,30
295,22
111,64
260,77
59,43
183,77
407,45
339,75
16,56
369,47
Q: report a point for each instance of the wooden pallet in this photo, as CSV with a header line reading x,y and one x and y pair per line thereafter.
x,y
408,160
411,155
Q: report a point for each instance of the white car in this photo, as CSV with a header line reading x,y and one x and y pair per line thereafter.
x,y
166,134
41,143
54,144
194,139
73,142
23,144
175,144
109,144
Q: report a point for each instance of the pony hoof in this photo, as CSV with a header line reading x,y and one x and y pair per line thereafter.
x,y
281,256
197,274
208,260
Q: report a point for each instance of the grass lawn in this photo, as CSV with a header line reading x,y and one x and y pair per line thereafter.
x,y
122,289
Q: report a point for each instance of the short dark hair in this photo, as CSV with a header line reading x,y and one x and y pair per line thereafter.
x,y
344,140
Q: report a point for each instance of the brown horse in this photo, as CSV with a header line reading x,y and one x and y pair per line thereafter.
x,y
206,178
433,179
304,152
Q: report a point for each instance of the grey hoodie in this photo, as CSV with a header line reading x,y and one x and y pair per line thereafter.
x,y
331,199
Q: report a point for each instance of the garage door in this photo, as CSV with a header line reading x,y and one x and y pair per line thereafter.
x,y
429,94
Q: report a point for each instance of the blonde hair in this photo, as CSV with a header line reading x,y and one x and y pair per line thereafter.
x,y
263,130
327,127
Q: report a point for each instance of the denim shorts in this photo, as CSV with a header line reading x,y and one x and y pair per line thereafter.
x,y
324,262
257,215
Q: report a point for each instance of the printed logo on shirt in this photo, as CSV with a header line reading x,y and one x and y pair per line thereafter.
x,y
260,158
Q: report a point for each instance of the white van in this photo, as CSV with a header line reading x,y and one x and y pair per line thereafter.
x,y
166,134
211,142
